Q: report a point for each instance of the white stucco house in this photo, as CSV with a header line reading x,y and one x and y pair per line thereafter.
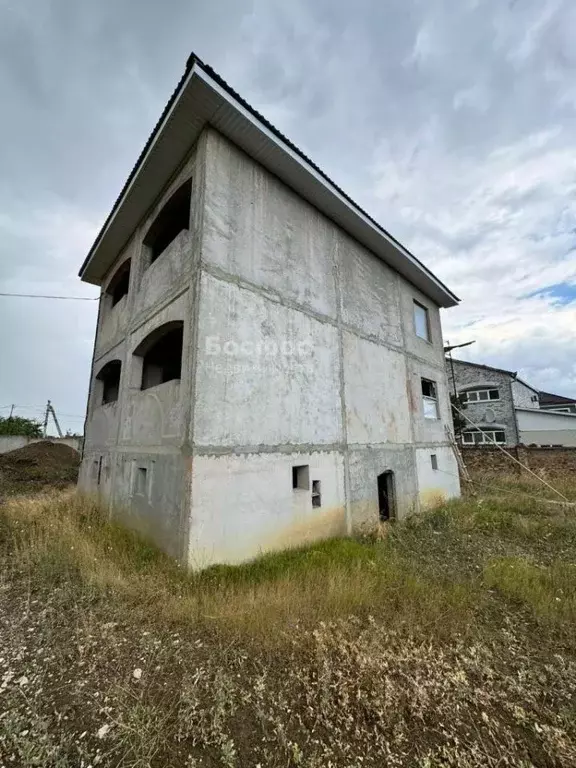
x,y
268,365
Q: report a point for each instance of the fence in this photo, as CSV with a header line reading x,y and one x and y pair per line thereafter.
x,y
12,442
488,459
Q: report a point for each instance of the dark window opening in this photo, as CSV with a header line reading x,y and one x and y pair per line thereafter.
x,y
430,399
162,355
316,494
301,477
172,219
97,470
428,388
386,496
141,481
110,378
120,283
434,460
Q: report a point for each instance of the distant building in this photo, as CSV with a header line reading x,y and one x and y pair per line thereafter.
x,y
505,409
268,366
550,402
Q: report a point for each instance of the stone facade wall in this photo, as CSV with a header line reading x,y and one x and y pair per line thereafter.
x,y
553,461
469,376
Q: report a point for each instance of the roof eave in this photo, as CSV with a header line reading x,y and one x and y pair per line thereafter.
x,y
201,99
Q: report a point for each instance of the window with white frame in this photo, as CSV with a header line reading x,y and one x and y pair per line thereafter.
x,y
430,399
481,395
484,437
421,321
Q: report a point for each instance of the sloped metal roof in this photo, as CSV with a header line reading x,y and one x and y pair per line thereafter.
x,y
547,398
203,98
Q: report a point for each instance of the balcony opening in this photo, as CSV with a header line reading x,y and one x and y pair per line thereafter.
x,y
119,285
172,219
161,354
109,376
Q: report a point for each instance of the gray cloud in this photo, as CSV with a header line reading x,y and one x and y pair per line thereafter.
x,y
452,123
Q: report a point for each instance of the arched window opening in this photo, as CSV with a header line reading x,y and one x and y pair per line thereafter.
x,y
110,378
120,283
161,354
172,219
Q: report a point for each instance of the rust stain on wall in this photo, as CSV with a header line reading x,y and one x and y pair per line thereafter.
x,y
326,524
432,497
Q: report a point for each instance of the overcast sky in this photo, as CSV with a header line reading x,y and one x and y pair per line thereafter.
x,y
452,123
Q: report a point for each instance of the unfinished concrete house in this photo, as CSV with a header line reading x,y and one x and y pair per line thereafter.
x,y
268,365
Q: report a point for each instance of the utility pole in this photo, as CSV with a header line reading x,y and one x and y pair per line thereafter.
x,y
448,350
50,411
53,412
45,426
11,411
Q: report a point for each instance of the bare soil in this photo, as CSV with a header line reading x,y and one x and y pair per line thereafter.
x,y
38,467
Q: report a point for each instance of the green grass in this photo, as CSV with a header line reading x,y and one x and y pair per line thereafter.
x,y
449,641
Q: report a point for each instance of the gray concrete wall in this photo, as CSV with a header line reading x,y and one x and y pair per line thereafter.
x,y
299,349
495,414
148,430
306,355
13,442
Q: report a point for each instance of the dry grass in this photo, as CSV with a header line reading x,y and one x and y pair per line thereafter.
x,y
449,643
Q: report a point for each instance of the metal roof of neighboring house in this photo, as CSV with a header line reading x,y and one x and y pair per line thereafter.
x,y
512,374
547,398
203,98
545,413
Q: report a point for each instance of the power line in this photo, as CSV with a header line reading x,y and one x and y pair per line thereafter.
x,y
41,296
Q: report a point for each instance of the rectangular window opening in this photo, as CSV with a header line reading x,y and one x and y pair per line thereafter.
x,y
141,482
484,437
430,399
434,461
301,477
481,395
316,494
421,321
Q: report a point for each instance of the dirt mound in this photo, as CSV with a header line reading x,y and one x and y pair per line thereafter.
x,y
37,466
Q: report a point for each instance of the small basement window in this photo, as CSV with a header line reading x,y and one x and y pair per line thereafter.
x,y
316,494
301,477
434,461
430,399
120,283
421,321
110,378
172,219
161,354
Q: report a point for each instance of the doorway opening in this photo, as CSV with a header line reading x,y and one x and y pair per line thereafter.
x,y
386,496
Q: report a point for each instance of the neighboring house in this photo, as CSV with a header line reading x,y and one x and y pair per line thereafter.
x,y
505,409
550,402
268,365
